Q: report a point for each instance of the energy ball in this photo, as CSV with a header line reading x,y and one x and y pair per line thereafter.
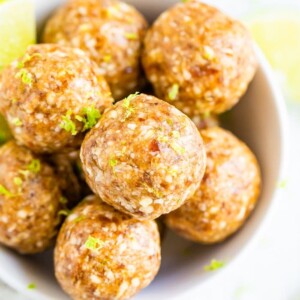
x,y
51,96
227,194
30,200
103,254
199,59
144,157
110,32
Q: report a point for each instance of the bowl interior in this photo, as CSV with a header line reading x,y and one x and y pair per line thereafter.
x,y
258,120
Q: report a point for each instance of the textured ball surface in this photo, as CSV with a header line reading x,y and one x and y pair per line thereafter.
x,y
110,32
198,59
144,157
103,254
227,194
50,95
30,200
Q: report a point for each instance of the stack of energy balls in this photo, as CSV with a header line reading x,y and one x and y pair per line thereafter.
x,y
142,157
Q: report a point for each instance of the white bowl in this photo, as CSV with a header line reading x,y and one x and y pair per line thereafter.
x,y
259,120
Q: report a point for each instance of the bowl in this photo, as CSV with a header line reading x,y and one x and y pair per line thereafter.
x,y
259,120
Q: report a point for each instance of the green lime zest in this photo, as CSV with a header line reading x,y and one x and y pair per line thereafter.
x,y
153,191
163,139
214,265
93,243
25,173
170,122
127,100
5,192
209,53
17,122
25,76
175,146
18,181
92,116
131,36
64,212
27,58
173,172
67,124
127,105
176,134
113,162
34,166
31,286
173,92
79,219
63,200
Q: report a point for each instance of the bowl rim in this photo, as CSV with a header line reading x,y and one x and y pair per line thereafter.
x,y
280,107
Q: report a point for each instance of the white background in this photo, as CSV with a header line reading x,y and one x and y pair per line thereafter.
x,y
271,270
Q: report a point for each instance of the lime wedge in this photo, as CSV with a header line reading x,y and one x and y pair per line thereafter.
x,y
278,34
17,29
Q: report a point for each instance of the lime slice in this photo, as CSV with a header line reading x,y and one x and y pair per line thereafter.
x,y
17,29
278,34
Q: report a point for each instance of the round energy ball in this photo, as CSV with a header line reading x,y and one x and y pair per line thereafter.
x,y
198,59
110,32
227,194
144,157
30,200
50,96
103,254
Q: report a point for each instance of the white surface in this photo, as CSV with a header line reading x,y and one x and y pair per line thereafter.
x,y
271,269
